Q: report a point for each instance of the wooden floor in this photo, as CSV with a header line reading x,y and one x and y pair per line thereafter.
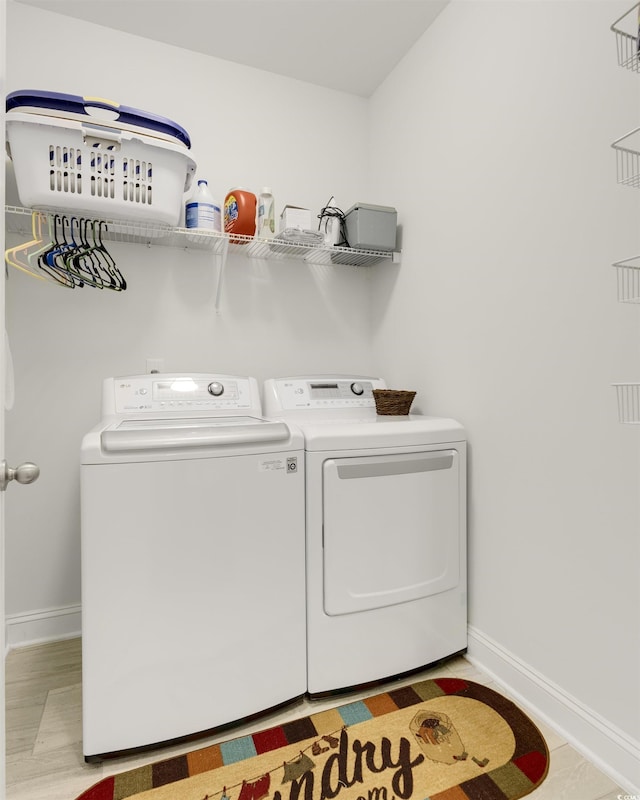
x,y
44,731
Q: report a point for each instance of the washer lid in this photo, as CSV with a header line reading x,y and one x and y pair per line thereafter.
x,y
379,432
134,435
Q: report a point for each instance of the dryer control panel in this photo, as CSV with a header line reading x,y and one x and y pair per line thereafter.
x,y
321,393
180,393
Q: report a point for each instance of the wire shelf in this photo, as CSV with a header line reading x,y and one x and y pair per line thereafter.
x,y
349,256
313,253
271,249
628,397
627,149
628,278
626,31
18,220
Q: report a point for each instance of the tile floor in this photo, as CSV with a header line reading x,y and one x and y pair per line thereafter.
x,y
44,730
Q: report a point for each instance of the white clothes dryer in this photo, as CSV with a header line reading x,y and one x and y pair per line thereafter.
x,y
192,529
385,531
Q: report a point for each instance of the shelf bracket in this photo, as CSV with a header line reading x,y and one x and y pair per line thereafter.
x,y
221,259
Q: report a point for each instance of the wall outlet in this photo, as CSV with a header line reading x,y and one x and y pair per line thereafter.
x,y
155,365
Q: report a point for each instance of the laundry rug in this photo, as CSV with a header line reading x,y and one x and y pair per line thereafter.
x,y
443,739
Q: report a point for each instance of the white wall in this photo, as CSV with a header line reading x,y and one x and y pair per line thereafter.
x,y
248,128
493,138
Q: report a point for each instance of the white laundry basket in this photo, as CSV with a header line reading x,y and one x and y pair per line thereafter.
x,y
96,157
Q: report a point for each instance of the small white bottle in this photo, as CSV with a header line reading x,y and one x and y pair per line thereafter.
x,y
201,210
266,215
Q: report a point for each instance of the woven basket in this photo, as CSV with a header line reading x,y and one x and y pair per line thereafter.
x,y
393,401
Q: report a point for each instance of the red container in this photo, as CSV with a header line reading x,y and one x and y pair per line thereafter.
x,y
240,213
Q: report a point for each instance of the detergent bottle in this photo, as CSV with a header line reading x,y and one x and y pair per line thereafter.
x,y
266,215
240,213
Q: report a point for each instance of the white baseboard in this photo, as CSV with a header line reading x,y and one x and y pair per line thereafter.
x,y
47,625
598,740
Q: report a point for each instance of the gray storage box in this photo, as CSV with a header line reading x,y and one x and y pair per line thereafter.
x,y
371,227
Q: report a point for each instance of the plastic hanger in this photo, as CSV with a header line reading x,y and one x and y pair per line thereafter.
x,y
56,259
119,282
34,257
77,260
72,253
47,258
18,257
90,258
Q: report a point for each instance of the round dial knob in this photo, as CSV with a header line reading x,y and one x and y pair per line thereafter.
x,y
357,388
216,389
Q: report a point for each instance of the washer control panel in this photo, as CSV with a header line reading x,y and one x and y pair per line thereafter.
x,y
325,392
179,393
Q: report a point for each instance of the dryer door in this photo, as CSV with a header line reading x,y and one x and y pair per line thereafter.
x,y
391,529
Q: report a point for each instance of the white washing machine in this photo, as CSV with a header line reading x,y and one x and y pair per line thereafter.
x,y
385,530
192,560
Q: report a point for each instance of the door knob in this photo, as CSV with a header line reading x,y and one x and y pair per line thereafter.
x,y
25,473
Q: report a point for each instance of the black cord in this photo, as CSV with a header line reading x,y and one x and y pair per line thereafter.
x,y
334,212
